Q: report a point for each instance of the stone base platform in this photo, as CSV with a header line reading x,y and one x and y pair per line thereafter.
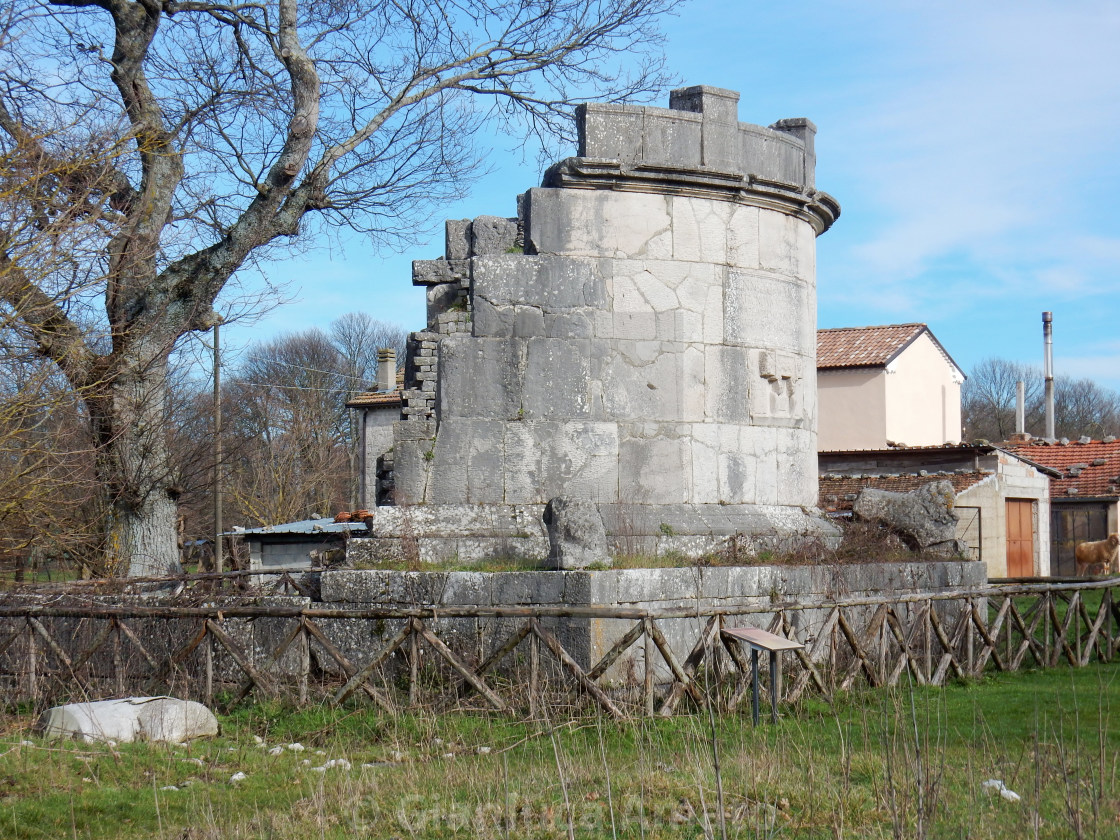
x,y
468,533
703,589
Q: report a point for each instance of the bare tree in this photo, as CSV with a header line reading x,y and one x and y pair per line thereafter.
x,y
289,430
50,504
50,516
358,337
988,397
1081,407
188,139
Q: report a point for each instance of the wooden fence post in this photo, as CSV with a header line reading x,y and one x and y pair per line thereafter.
x,y
304,664
647,675
994,628
413,670
534,675
928,628
118,660
32,665
208,659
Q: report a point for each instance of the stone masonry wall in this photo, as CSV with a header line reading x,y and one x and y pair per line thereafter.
x,y
653,346
702,588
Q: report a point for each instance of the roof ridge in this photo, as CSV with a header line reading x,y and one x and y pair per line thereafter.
x,y
873,327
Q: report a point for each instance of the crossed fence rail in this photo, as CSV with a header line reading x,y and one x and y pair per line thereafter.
x,y
61,648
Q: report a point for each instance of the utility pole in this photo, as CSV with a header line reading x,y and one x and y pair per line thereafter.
x,y
217,452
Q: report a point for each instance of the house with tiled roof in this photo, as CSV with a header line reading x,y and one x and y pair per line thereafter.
x,y
1084,492
377,411
1002,497
886,385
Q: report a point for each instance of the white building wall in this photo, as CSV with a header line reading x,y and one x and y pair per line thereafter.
x,y
923,396
852,410
1013,480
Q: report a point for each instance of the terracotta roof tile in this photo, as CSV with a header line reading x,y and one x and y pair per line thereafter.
x,y
375,400
1088,469
838,492
932,448
847,347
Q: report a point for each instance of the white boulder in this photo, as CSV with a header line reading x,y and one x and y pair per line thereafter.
x,y
130,719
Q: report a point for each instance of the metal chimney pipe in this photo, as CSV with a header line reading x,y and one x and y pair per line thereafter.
x,y
1048,347
1020,408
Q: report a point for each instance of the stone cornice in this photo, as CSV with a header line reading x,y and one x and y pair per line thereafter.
x,y
817,208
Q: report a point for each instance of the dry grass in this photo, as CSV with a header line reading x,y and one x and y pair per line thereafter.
x,y
903,763
861,543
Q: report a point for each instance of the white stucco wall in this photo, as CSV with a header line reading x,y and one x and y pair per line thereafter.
x,y
923,396
1012,480
377,439
916,400
851,409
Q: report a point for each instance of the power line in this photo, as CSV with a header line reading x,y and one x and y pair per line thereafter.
x,y
294,387
317,370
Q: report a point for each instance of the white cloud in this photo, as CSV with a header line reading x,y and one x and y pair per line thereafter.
x,y
1103,367
998,117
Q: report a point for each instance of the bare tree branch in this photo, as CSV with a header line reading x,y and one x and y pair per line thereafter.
x,y
155,149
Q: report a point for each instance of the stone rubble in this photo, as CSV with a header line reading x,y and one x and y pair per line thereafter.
x,y
923,518
576,536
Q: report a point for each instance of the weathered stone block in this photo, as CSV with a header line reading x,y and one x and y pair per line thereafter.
x,y
467,588
544,456
132,719
766,310
458,239
805,132
514,588
490,321
700,230
599,224
436,272
924,518
576,535
772,155
650,468
547,282
492,235
785,245
568,325
352,585
610,131
672,136
481,378
556,380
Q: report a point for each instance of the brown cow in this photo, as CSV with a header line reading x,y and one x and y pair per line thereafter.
x,y
1096,557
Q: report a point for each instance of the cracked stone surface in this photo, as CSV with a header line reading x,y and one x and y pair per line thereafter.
x,y
642,333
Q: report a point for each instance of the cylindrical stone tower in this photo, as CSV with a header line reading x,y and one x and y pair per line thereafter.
x,y
650,347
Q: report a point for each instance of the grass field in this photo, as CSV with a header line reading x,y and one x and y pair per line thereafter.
x,y
897,763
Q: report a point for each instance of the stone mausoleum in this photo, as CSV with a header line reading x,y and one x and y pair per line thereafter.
x,y
641,335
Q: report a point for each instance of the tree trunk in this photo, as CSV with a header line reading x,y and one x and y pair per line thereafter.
x,y
144,537
133,463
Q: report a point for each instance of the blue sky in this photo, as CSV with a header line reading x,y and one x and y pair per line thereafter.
x,y
973,148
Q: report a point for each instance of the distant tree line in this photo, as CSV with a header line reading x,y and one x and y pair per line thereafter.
x,y
289,442
988,399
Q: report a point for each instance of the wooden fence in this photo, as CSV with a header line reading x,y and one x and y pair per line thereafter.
x,y
54,649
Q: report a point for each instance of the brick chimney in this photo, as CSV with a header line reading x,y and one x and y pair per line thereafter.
x,y
387,369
